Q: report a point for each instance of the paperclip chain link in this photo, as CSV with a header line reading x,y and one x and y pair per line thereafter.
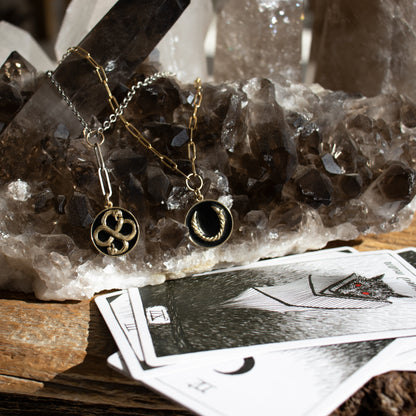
x,y
103,175
193,121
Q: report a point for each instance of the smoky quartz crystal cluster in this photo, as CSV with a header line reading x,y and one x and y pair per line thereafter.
x,y
297,166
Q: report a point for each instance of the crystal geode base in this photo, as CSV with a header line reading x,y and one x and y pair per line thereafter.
x,y
297,166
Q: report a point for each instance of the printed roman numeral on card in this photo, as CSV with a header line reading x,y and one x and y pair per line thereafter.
x,y
157,315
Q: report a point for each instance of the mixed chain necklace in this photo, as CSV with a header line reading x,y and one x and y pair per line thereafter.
x,y
115,230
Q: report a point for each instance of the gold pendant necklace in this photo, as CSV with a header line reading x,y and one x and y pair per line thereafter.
x,y
209,222
115,230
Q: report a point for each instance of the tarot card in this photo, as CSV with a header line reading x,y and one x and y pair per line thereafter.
x,y
378,365
121,310
404,358
408,254
117,363
116,310
290,382
274,305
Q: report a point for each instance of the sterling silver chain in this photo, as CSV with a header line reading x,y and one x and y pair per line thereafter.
x,y
112,118
95,137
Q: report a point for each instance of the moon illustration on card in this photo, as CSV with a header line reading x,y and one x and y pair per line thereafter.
x,y
248,364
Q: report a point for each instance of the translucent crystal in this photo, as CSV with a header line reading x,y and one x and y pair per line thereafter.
x,y
18,81
80,17
182,50
259,38
13,39
19,190
373,58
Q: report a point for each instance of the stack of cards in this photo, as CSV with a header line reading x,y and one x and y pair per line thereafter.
x,y
295,335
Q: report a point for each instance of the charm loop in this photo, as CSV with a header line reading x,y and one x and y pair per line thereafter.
x,y
192,187
108,203
94,133
193,177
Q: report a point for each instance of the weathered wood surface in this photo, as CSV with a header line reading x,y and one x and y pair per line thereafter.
x,y
53,360
59,350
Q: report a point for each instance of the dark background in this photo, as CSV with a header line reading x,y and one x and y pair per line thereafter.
x,y
41,18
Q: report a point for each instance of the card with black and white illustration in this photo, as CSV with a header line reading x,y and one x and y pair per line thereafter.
x,y
118,315
405,357
116,310
197,393
408,254
291,382
275,305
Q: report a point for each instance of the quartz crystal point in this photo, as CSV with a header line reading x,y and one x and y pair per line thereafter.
x,y
298,166
13,38
366,46
18,82
182,51
259,38
80,17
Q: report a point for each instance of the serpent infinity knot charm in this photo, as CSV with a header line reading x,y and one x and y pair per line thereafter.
x,y
209,223
115,231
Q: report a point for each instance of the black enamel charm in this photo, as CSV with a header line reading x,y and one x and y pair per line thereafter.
x,y
210,223
115,231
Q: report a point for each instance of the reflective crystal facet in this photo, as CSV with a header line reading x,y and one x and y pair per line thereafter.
x,y
364,46
259,38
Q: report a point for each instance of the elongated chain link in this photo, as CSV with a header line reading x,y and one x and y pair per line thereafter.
x,y
95,139
193,121
165,160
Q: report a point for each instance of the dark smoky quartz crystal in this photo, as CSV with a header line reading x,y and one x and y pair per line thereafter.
x,y
282,172
314,188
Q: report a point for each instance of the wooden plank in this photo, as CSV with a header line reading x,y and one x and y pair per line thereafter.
x,y
391,241
16,405
59,350
14,384
39,340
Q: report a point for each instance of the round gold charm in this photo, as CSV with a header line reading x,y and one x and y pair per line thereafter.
x,y
210,223
115,231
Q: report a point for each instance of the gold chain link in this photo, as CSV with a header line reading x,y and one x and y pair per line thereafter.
x,y
193,121
165,160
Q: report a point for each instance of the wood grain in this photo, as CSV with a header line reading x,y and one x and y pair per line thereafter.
x,y
53,356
